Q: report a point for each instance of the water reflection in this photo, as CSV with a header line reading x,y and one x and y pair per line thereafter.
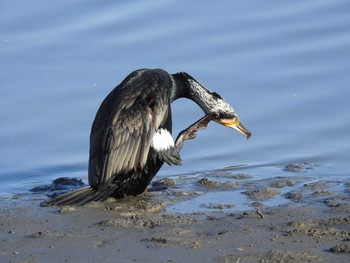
x,y
284,67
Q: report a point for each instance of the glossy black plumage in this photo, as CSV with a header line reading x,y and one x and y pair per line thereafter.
x,y
120,143
122,159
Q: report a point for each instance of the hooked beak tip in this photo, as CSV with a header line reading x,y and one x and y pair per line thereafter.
x,y
241,129
248,135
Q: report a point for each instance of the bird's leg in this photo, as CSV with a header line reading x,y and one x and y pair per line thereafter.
x,y
191,131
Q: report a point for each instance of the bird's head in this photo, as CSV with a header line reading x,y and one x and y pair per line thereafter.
x,y
211,103
222,113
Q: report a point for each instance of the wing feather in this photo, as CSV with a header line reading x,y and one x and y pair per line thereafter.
x,y
126,123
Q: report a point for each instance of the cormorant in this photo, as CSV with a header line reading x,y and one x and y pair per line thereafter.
x,y
131,135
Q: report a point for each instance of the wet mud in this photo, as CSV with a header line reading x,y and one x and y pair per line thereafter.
x,y
312,224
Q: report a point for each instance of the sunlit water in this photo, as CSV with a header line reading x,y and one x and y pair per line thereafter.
x,y
284,66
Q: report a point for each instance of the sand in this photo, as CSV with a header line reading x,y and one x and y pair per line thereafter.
x,y
140,230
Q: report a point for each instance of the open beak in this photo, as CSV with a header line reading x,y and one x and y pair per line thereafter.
x,y
234,123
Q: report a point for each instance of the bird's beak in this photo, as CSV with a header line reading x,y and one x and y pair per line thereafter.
x,y
234,123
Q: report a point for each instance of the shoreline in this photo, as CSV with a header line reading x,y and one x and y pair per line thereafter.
x,y
138,230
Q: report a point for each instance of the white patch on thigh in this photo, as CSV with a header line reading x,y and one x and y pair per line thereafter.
x,y
162,140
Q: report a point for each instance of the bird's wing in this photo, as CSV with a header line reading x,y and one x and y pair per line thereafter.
x,y
122,144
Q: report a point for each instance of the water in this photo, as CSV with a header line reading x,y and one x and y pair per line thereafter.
x,y
283,66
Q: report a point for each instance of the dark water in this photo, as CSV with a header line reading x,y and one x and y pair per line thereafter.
x,y
284,66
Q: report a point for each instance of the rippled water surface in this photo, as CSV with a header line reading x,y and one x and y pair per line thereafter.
x,y
284,66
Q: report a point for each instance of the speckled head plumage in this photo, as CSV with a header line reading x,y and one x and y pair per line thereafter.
x,y
210,102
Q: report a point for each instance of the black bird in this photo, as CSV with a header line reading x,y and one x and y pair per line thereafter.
x,y
131,135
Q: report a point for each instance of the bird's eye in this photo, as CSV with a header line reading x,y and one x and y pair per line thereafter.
x,y
216,95
215,115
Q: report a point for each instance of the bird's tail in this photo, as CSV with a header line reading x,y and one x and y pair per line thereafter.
x,y
80,197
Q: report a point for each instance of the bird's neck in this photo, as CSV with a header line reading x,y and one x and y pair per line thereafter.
x,y
184,86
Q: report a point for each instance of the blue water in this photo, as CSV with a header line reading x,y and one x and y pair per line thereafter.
x,y
283,65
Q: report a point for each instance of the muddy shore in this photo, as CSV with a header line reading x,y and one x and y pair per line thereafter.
x,y
140,230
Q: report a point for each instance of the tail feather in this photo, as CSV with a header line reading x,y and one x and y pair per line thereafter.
x,y
80,197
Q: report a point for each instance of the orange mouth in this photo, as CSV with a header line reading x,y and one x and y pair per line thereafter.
x,y
235,123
